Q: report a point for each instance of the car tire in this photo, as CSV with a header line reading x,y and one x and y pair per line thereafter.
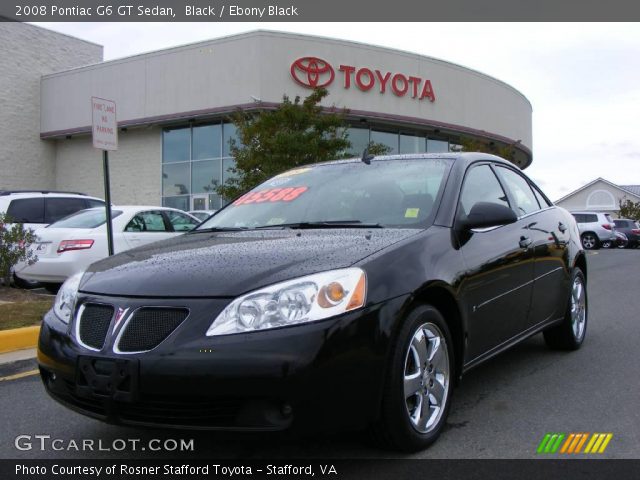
x,y
569,335
52,287
590,241
606,244
421,369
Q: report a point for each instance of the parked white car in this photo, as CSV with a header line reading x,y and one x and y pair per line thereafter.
x,y
75,242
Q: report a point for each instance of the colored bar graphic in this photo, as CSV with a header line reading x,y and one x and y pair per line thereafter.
x,y
556,443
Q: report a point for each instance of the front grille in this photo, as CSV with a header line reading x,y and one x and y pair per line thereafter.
x,y
94,324
149,326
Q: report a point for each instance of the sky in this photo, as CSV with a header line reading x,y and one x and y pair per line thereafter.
x,y
583,80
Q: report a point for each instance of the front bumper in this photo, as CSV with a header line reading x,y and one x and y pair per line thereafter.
x,y
323,375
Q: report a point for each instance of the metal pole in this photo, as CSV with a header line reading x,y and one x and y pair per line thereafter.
x,y
107,199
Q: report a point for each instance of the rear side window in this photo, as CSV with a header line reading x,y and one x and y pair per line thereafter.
x,y
57,208
181,222
608,217
147,222
94,203
27,210
526,201
481,185
585,217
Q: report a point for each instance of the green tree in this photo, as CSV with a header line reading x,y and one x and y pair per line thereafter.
x,y
297,133
508,152
15,243
629,209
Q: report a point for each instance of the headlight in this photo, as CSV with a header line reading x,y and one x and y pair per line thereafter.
x,y
66,298
304,299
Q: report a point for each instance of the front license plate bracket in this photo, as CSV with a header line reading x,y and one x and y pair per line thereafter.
x,y
113,378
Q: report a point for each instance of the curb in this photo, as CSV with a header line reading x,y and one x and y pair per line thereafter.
x,y
19,338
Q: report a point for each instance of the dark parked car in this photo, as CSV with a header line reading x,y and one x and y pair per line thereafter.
x,y
346,294
631,229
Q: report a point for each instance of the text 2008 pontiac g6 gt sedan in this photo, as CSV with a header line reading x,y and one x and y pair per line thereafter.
x,y
346,294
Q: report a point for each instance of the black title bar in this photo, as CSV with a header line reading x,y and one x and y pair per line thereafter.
x,y
317,11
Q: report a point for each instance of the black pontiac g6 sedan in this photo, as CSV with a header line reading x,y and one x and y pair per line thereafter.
x,y
346,294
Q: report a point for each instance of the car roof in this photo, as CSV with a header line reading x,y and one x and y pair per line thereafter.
x,y
49,193
460,157
136,208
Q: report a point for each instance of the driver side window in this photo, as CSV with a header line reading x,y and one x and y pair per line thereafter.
x,y
481,185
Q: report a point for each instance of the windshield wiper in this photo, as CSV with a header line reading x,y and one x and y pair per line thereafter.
x,y
219,229
325,224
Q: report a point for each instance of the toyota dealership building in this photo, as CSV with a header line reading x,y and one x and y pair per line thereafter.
x,y
173,107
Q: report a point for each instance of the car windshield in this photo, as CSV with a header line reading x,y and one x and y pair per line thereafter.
x,y
384,193
91,218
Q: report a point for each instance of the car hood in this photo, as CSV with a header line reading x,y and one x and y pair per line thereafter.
x,y
228,264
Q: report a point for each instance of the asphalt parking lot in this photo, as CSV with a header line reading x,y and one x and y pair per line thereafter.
x,y
502,409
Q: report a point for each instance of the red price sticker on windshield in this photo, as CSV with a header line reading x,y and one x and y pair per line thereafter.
x,y
271,195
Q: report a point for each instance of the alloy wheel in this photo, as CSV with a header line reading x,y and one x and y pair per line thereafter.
x,y
589,241
426,377
578,308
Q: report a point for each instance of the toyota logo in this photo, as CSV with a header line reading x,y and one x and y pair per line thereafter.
x,y
312,72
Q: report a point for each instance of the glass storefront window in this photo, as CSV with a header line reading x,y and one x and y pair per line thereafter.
x,y
181,202
437,146
176,179
206,142
205,175
386,138
412,144
359,138
229,132
227,163
192,162
176,145
215,202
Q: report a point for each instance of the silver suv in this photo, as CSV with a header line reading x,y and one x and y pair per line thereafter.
x,y
596,229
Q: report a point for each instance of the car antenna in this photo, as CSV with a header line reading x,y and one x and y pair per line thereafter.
x,y
366,156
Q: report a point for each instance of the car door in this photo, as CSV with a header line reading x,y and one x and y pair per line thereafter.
x,y
497,285
547,230
180,222
146,227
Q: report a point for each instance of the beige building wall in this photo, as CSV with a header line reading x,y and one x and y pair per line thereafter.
x,y
135,168
26,53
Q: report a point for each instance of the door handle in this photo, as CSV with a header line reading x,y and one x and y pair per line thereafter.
x,y
562,227
525,242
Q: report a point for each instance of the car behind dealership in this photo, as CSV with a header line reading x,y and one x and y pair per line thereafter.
x,y
347,294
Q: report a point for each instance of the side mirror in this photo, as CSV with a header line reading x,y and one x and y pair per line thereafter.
x,y
486,214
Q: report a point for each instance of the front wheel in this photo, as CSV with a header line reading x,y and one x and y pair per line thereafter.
x,y
570,334
419,383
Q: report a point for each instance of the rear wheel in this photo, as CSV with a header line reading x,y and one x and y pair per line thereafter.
x,y
419,383
589,241
570,334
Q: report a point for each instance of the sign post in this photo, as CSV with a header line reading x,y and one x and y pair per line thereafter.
x,y
105,137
